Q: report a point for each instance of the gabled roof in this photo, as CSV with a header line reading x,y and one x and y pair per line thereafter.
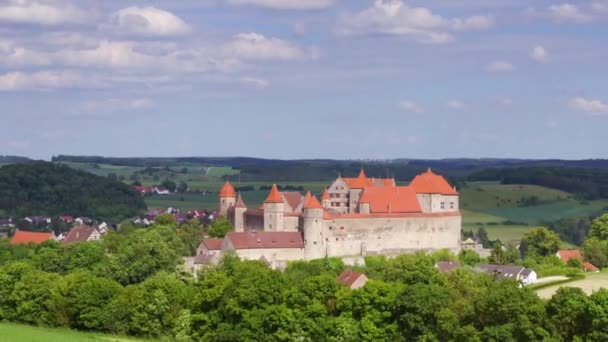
x,y
358,183
313,203
348,277
589,267
213,244
293,198
389,199
256,240
567,254
325,196
274,196
227,190
430,183
505,271
240,203
22,237
447,266
79,234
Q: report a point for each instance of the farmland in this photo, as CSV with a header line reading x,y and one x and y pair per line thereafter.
x,y
25,333
591,283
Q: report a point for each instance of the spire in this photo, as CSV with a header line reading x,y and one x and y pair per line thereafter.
x,y
362,174
313,203
274,196
227,190
240,203
325,196
307,199
429,170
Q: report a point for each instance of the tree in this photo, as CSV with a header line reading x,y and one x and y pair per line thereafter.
x,y
541,242
183,187
220,227
596,251
482,235
599,228
575,263
568,312
468,257
169,184
497,255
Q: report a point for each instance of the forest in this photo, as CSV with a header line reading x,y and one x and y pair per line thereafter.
x,y
131,283
42,188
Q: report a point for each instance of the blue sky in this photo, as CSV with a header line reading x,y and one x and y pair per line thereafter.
x,y
304,78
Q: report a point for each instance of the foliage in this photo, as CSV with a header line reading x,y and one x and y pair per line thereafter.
x,y
596,252
220,227
43,188
540,242
468,257
599,228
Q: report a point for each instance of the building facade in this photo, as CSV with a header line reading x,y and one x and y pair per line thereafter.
x,y
355,217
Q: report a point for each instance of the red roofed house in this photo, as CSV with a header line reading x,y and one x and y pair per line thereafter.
x,y
23,237
352,279
356,216
82,234
566,254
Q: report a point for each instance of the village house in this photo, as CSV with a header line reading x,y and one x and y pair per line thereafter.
x,y
82,234
25,237
566,255
524,275
352,279
159,190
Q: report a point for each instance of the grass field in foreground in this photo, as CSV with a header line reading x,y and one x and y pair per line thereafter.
x,y
24,333
592,282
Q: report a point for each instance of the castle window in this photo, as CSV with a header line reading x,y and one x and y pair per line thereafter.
x,y
442,205
342,228
337,239
451,205
315,242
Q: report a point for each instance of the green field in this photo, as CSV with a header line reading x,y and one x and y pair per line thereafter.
x,y
24,333
484,196
592,282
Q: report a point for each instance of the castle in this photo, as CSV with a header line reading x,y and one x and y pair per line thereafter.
x,y
356,217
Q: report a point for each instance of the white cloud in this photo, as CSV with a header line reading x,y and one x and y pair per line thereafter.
x,y
148,21
396,18
17,80
286,4
539,54
254,46
116,105
41,12
505,101
455,104
500,66
594,107
600,6
565,13
410,106
257,82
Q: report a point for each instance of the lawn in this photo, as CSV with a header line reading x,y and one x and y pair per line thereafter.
x,y
24,333
592,282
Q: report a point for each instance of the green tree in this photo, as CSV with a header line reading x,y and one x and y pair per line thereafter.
x,y
596,251
468,257
220,227
599,228
34,298
482,235
497,255
182,187
575,262
540,242
568,312
169,184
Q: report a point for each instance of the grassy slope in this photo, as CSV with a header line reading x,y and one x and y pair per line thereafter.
x,y
23,333
591,283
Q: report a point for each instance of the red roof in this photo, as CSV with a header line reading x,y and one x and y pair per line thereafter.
x,y
253,240
325,195
348,277
293,198
274,196
568,254
358,183
313,203
385,199
79,234
227,190
240,203
430,183
213,244
22,236
589,267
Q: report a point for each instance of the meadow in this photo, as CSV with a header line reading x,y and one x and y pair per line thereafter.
x,y
591,283
10,332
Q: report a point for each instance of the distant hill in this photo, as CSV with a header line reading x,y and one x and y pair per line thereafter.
x,y
42,188
14,159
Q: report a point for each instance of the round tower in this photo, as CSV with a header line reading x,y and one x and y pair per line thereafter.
x,y
239,215
314,239
274,209
227,197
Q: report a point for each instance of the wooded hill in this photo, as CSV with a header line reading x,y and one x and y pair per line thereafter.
x,y
42,188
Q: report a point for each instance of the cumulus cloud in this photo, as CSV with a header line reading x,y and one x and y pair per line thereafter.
x,y
565,13
257,82
149,21
286,4
41,12
254,46
455,104
410,106
593,107
539,54
116,105
600,6
17,80
500,66
396,18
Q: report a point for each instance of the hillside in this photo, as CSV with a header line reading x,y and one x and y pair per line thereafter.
x,y
43,188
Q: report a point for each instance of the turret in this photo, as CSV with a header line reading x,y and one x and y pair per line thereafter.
x,y
274,209
325,199
227,197
239,214
314,239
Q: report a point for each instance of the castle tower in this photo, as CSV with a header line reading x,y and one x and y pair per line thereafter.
x,y
239,215
274,209
227,197
314,239
325,199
